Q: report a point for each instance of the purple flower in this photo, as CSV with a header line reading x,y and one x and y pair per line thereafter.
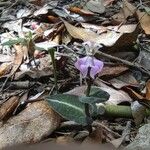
x,y
91,64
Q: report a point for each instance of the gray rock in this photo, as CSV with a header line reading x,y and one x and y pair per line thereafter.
x,y
142,140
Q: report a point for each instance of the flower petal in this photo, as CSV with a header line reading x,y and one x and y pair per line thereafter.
x,y
98,66
84,70
80,61
93,71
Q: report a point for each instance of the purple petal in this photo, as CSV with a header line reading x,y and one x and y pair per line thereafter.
x,y
98,66
84,70
80,61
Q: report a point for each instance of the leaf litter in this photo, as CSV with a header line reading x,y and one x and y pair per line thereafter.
x,y
119,37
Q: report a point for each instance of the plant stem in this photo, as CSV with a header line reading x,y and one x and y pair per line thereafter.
x,y
52,54
87,106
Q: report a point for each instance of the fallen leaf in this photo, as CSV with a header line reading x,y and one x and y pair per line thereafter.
x,y
5,68
19,56
64,140
108,2
96,137
80,33
108,39
80,11
8,107
127,10
116,96
95,6
31,125
138,112
144,20
147,96
113,71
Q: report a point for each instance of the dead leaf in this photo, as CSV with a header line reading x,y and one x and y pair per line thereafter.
x,y
113,71
121,81
80,33
116,96
19,55
117,142
80,11
127,10
148,90
53,19
64,140
95,137
34,123
108,2
108,39
138,112
95,6
144,20
5,68
8,107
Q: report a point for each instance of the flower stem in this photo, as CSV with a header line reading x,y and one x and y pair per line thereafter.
x,y
87,106
52,54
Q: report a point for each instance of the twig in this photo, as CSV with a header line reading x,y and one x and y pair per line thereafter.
x,y
125,62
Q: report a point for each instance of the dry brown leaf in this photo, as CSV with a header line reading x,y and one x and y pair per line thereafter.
x,y
148,90
64,140
31,125
113,70
53,19
5,68
127,10
8,107
19,55
80,33
108,39
144,20
80,11
96,137
108,2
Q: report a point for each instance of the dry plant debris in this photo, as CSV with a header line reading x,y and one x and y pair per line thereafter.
x,y
74,71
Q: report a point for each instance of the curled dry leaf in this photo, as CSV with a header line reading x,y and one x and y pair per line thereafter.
x,y
80,11
108,38
34,123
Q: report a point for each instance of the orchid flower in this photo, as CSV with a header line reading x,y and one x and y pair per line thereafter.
x,y
89,65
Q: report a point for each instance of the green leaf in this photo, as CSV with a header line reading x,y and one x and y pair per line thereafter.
x,y
68,106
13,42
89,100
98,95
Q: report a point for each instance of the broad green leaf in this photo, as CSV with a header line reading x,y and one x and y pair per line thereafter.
x,y
68,106
13,42
97,96
89,100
